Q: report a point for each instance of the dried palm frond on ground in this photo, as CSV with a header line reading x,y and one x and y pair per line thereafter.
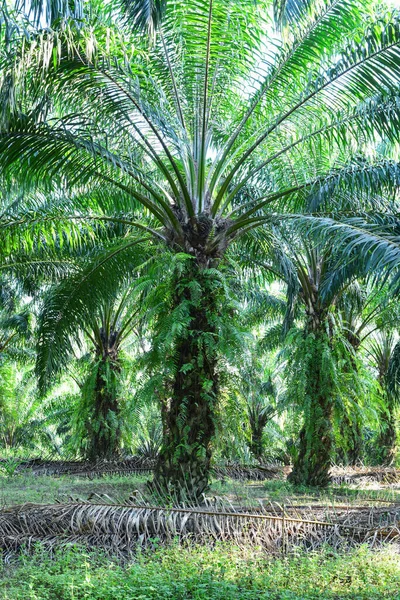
x,y
121,528
143,466
252,473
364,475
338,475
374,523
86,468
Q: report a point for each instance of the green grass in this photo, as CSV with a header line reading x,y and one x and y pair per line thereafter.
x,y
200,573
21,488
44,489
18,489
278,490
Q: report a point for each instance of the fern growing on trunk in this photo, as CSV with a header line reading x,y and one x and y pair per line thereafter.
x,y
97,421
188,341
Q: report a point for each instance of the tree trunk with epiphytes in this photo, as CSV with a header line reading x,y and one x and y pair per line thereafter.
x,y
102,403
388,436
188,409
316,437
104,427
351,425
352,446
188,415
259,415
313,461
256,443
355,439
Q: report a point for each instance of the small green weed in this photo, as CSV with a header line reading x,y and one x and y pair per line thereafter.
x,y
9,466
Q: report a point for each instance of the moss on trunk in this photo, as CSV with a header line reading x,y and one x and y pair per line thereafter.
x,y
316,443
387,438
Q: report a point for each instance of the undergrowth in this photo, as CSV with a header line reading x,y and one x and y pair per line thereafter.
x,y
224,572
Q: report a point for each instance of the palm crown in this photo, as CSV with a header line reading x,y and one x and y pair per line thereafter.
x,y
202,130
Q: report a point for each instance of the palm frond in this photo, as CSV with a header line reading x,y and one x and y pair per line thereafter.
x,y
70,306
144,15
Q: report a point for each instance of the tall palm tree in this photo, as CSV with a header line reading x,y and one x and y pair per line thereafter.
x,y
365,310
98,419
192,141
320,362
383,350
322,285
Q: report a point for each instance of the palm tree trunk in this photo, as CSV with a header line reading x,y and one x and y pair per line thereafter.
x,y
315,449
316,437
351,427
387,437
355,441
104,427
256,443
351,450
183,468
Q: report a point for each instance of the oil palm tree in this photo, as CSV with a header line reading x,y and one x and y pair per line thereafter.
x,y
98,420
21,423
383,349
366,311
260,412
192,141
15,329
254,383
320,361
327,362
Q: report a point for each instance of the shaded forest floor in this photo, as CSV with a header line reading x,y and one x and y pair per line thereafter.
x,y
25,487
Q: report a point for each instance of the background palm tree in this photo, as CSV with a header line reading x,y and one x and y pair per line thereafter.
x,y
383,350
321,365
364,309
98,420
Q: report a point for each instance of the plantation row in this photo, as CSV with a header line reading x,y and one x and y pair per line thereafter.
x,y
200,237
